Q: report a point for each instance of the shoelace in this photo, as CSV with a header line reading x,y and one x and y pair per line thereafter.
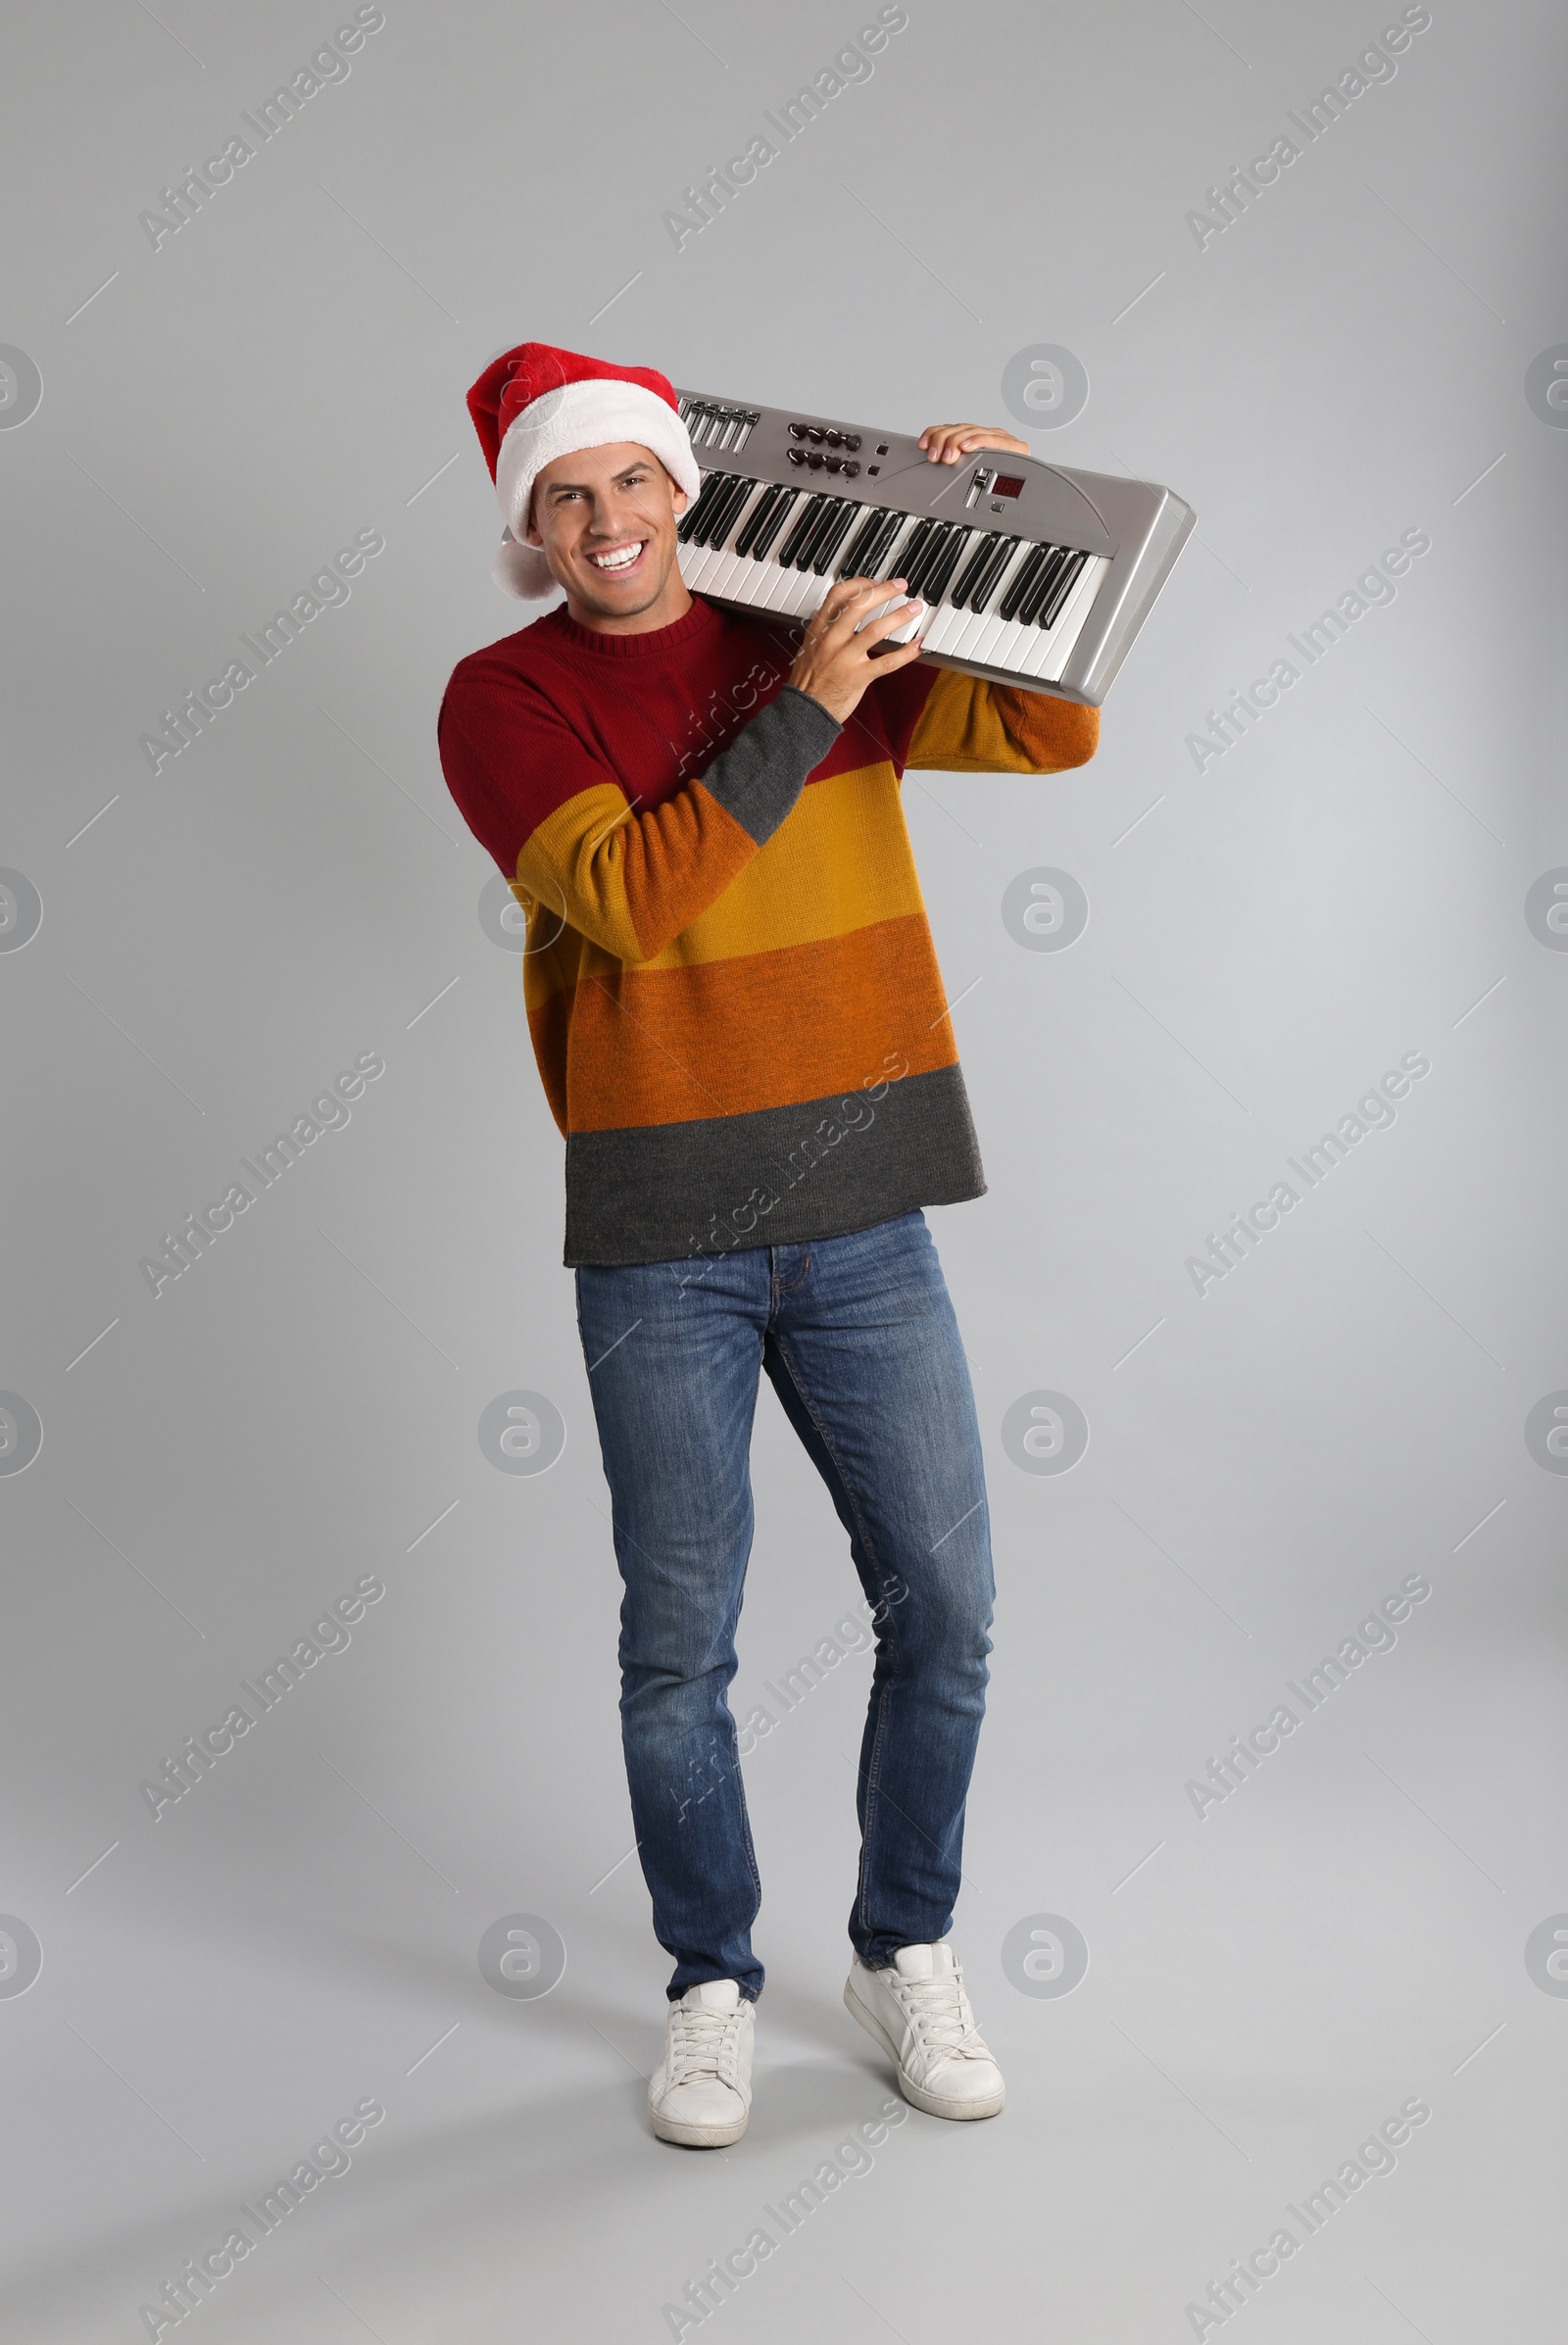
x,y
936,2007
703,2044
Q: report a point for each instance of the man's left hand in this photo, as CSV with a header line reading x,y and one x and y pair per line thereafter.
x,y
950,443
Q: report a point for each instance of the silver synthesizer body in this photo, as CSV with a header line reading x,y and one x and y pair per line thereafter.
x,y
1032,574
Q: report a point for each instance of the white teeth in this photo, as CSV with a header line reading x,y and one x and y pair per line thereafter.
x,y
621,559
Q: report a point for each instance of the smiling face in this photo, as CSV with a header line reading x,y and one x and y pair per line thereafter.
x,y
605,520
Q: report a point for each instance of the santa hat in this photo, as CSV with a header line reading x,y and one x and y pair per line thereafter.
x,y
535,402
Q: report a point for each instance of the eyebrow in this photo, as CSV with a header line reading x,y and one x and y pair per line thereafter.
x,y
557,486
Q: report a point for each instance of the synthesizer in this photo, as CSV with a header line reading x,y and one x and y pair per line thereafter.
x,y
1030,574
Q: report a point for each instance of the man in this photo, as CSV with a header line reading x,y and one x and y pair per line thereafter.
x,y
741,1027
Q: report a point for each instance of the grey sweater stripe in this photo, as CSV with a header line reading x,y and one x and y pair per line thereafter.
x,y
662,1192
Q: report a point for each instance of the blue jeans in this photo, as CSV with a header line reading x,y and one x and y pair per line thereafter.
x,y
859,1338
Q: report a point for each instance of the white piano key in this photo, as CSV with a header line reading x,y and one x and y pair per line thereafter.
x,y
1021,649
778,587
714,561
982,622
705,569
939,627
1072,617
704,562
727,578
726,561
745,583
932,617
1035,657
958,638
1012,647
761,577
1032,657
979,646
945,628
802,595
915,627
948,624
775,586
880,610
692,561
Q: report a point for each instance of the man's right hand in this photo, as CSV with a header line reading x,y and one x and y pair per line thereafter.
x,y
834,664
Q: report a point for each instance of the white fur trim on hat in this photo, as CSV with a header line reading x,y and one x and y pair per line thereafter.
x,y
582,415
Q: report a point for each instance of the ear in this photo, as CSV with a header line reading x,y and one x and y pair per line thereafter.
x,y
678,498
531,534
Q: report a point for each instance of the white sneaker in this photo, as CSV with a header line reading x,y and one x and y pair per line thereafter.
x,y
701,2092
918,2012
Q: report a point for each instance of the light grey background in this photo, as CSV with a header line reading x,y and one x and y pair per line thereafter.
x,y
1267,1985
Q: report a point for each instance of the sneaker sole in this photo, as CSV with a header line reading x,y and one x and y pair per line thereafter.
x,y
934,2104
696,2137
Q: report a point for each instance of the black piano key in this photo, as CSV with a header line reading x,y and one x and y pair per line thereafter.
x,y
865,537
1021,581
972,569
939,576
992,575
715,489
830,543
911,551
715,531
794,557
871,558
895,547
733,517
917,551
1045,578
800,521
706,496
1064,587
931,553
741,519
811,545
810,514
1015,555
775,524
741,515
878,559
756,519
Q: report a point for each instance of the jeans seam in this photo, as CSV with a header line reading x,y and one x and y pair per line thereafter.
x,y
778,1288
873,1805
740,1803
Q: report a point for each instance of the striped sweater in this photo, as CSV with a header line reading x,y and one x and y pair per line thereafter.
x,y
730,983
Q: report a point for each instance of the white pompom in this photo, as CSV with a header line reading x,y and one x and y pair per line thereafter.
x,y
521,570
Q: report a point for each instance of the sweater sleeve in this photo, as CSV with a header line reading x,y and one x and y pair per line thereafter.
x,y
970,726
558,823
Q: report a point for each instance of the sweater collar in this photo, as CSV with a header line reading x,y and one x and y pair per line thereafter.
x,y
657,643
